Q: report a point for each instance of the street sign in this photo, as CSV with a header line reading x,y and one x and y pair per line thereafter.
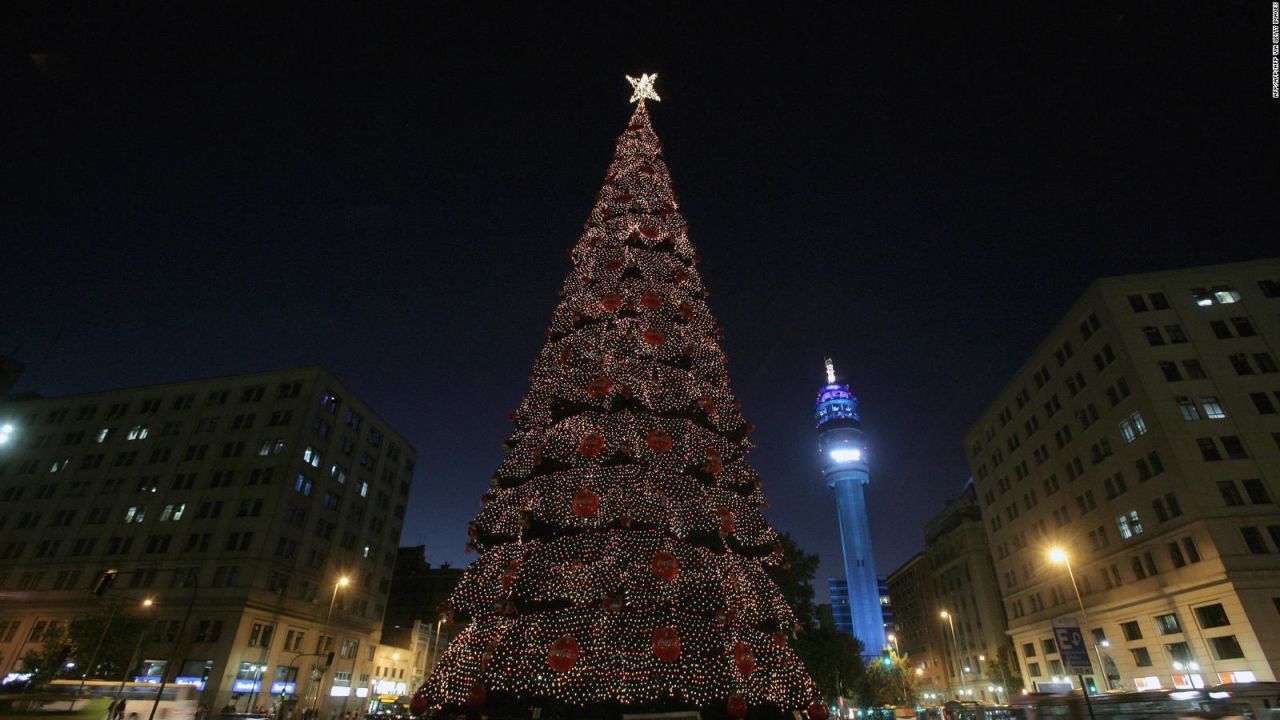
x,y
1073,649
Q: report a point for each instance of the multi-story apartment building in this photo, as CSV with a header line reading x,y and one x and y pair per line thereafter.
x,y
964,588
413,617
1142,439
916,632
271,502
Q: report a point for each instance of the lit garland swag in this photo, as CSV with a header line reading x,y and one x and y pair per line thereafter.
x,y
621,543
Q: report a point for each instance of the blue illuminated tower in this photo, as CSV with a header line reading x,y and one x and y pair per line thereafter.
x,y
844,463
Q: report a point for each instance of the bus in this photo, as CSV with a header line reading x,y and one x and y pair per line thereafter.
x,y
177,702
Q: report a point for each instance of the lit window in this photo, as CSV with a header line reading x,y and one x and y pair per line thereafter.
x,y
137,432
135,514
1212,408
1133,427
1188,408
364,489
103,434
1129,524
311,457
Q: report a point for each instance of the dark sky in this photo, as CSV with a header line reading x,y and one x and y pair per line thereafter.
x,y
917,190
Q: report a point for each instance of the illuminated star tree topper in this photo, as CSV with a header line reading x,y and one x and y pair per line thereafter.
x,y
642,88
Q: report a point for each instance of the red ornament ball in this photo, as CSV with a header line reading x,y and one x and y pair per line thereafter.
x,y
651,300
650,232
654,336
611,301
599,387
708,405
585,503
591,445
736,707
744,657
817,711
659,441
511,574
563,654
420,702
728,524
779,639
477,697
665,565
666,643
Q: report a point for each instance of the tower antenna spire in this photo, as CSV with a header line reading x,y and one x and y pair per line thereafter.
x,y
831,372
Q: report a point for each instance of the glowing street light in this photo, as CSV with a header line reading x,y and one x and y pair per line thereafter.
x,y
952,623
1059,555
6,433
341,583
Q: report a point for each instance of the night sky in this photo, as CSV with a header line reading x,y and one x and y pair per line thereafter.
x,y
918,191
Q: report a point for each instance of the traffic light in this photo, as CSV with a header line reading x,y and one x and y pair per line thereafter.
x,y
104,582
886,659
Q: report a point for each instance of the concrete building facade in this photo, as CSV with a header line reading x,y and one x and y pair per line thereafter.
x,y
413,618
917,634
1142,440
271,502
964,587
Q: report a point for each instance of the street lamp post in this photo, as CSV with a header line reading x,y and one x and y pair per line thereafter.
x,y
194,577
137,648
1059,555
959,665
342,582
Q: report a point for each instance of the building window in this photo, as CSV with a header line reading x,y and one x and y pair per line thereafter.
x,y
1233,446
1170,370
1175,333
1213,408
1217,295
1230,493
1257,492
311,456
1226,647
1195,370
1212,616
1188,408
1141,657
1131,630
1253,539
1034,669
1133,427
1208,449
1129,524
1168,624
1262,403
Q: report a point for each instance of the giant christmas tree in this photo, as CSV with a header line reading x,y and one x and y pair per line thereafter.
x,y
622,547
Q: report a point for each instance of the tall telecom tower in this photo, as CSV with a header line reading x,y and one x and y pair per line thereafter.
x,y
844,464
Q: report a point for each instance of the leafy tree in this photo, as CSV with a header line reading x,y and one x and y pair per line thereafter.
x,y
794,578
833,659
891,681
45,662
1006,668
117,645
